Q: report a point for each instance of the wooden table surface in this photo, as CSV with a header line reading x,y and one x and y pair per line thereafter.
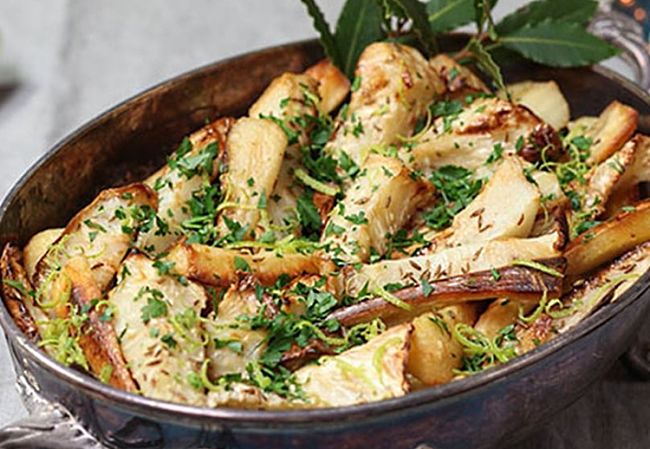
x,y
68,60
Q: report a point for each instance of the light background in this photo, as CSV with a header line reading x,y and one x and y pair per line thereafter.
x,y
69,60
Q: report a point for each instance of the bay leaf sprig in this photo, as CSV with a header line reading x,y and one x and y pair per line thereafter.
x,y
549,32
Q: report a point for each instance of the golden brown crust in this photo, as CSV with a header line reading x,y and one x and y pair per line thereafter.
x,y
13,272
110,243
516,282
97,337
608,240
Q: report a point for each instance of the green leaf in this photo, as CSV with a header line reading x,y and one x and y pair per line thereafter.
x,y
358,26
241,264
417,12
486,63
445,15
483,17
326,37
558,44
309,216
571,11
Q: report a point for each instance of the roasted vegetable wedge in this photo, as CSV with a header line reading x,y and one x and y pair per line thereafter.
x,y
469,136
102,233
156,319
96,335
520,283
16,292
381,200
370,372
613,128
608,240
451,262
396,84
545,99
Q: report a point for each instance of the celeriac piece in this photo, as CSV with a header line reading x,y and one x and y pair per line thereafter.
x,y
434,353
608,240
486,218
459,81
373,371
545,99
101,232
232,344
450,262
519,283
379,202
157,318
222,267
256,149
192,166
487,126
37,247
615,125
396,85
96,336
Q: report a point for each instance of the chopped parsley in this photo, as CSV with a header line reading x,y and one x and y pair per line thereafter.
x,y
455,188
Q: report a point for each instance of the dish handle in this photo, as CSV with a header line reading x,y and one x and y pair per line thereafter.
x,y
47,425
625,33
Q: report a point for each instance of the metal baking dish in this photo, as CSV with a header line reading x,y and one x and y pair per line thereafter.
x,y
501,405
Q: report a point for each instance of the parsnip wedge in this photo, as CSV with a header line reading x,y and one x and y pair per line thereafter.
x,y
101,232
370,372
96,336
16,289
470,137
434,352
252,144
222,267
459,80
545,99
615,125
195,163
608,240
639,169
486,219
451,262
515,282
156,317
379,202
333,85
396,86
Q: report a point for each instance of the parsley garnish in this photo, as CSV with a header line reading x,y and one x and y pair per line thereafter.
x,y
455,188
